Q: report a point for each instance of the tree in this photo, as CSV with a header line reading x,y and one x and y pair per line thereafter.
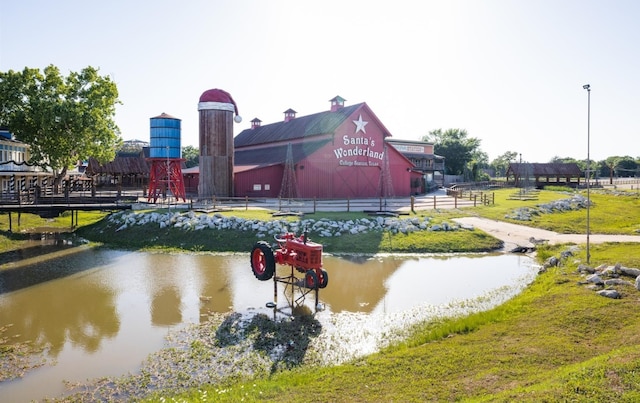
x,y
131,147
455,146
627,167
63,119
501,163
191,156
479,162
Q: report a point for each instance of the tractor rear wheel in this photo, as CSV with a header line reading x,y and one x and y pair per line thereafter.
x,y
263,264
311,279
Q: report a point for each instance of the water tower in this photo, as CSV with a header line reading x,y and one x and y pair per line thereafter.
x,y
165,156
216,109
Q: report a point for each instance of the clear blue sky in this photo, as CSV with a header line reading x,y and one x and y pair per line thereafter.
x,y
510,72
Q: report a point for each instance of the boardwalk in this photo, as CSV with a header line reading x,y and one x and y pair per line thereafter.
x,y
49,210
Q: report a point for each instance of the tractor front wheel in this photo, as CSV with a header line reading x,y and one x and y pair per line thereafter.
x,y
323,278
263,263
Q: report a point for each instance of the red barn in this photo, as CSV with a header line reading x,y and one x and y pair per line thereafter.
x,y
339,153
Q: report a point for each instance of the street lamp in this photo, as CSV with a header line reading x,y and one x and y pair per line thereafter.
x,y
588,174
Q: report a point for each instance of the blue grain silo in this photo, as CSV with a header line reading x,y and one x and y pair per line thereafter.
x,y
165,155
165,137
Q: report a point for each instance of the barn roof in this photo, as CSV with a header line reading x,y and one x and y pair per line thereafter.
x,y
119,166
548,169
305,126
276,154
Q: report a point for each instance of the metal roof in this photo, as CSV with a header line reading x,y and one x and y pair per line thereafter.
x,y
276,154
548,169
119,166
305,126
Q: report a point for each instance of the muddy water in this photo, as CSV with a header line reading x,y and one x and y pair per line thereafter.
x,y
101,312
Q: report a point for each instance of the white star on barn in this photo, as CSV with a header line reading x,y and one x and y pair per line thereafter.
x,y
360,124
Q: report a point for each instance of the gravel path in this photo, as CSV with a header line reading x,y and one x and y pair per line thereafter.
x,y
519,235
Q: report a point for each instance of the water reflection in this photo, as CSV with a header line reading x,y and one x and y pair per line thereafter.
x,y
101,312
357,283
75,310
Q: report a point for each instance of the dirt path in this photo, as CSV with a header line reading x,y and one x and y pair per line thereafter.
x,y
519,235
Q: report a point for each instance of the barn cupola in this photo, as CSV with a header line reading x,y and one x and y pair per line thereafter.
x,y
255,123
289,114
337,102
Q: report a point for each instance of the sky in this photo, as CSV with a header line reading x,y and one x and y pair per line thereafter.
x,y
509,72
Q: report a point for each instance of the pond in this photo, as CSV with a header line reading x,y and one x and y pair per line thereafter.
x,y
101,312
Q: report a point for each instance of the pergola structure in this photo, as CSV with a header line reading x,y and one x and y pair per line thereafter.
x,y
560,174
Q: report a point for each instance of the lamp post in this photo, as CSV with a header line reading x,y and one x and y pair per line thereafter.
x,y
588,174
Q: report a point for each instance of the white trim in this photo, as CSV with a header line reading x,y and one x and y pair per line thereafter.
x,y
221,106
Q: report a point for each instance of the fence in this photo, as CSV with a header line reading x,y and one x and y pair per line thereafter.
x,y
403,205
443,199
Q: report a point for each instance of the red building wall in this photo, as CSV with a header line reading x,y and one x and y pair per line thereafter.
x,y
259,182
350,165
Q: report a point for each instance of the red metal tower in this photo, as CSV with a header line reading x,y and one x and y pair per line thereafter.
x,y
165,176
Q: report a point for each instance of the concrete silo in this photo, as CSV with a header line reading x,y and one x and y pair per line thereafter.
x,y
217,109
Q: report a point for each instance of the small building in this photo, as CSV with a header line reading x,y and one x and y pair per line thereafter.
x,y
337,153
429,166
539,175
126,170
17,176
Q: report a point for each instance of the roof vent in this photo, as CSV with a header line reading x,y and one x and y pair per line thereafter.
x,y
255,123
337,102
289,114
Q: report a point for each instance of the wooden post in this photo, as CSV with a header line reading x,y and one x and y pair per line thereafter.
x,y
434,202
413,203
10,227
475,201
348,204
246,202
314,205
455,201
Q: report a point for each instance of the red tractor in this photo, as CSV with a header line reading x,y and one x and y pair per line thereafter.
x,y
298,252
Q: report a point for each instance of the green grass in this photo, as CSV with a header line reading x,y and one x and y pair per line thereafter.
x,y
609,213
151,237
18,236
556,341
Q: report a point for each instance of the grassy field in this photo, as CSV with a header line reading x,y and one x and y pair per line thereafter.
x,y
150,237
556,341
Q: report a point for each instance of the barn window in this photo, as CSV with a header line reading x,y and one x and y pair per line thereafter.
x,y
257,186
267,186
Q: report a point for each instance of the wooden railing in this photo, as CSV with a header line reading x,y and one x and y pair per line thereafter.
x,y
380,205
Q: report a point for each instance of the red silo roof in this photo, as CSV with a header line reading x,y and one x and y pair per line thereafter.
x,y
218,95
